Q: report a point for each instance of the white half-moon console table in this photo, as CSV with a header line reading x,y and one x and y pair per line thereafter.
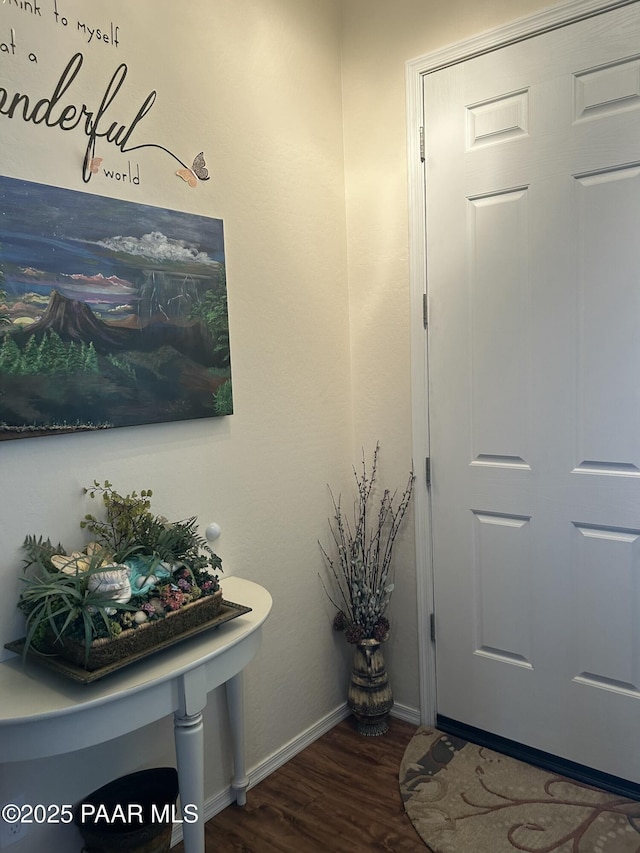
x,y
42,714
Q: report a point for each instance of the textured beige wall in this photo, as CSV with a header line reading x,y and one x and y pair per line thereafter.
x,y
379,37
257,85
320,336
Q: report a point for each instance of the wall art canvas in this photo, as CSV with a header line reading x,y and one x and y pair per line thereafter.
x,y
112,313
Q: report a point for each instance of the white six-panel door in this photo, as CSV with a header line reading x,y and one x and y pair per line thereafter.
x,y
533,232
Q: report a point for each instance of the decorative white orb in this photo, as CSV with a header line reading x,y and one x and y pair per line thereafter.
x,y
139,617
212,531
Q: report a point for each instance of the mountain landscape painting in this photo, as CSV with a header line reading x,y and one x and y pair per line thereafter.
x,y
111,313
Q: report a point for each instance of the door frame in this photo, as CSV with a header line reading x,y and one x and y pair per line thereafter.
x,y
415,70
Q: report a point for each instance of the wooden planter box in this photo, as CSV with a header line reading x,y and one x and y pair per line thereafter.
x,y
109,655
106,651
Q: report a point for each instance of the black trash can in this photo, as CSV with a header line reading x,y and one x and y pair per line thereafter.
x,y
133,814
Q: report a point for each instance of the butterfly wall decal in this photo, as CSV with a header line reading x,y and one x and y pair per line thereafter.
x,y
198,172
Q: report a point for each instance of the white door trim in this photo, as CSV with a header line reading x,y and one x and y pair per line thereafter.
x,y
523,28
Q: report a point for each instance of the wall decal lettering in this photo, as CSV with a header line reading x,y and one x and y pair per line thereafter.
x,y
9,46
26,6
97,121
105,35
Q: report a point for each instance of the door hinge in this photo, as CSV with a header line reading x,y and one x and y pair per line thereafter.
x,y
425,310
432,626
422,155
427,470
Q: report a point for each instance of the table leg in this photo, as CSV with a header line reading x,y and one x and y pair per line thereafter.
x,y
235,704
189,737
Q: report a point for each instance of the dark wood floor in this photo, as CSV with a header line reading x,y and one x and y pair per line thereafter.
x,y
340,795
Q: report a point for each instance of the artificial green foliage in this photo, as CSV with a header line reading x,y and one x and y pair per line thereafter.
x,y
127,521
62,603
130,527
56,598
40,550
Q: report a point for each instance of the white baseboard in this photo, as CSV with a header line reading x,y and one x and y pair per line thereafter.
x,y
214,805
266,767
406,713
224,798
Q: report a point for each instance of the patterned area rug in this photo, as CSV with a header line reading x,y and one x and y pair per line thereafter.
x,y
463,798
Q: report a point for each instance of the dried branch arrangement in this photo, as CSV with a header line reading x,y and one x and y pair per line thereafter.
x,y
360,576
